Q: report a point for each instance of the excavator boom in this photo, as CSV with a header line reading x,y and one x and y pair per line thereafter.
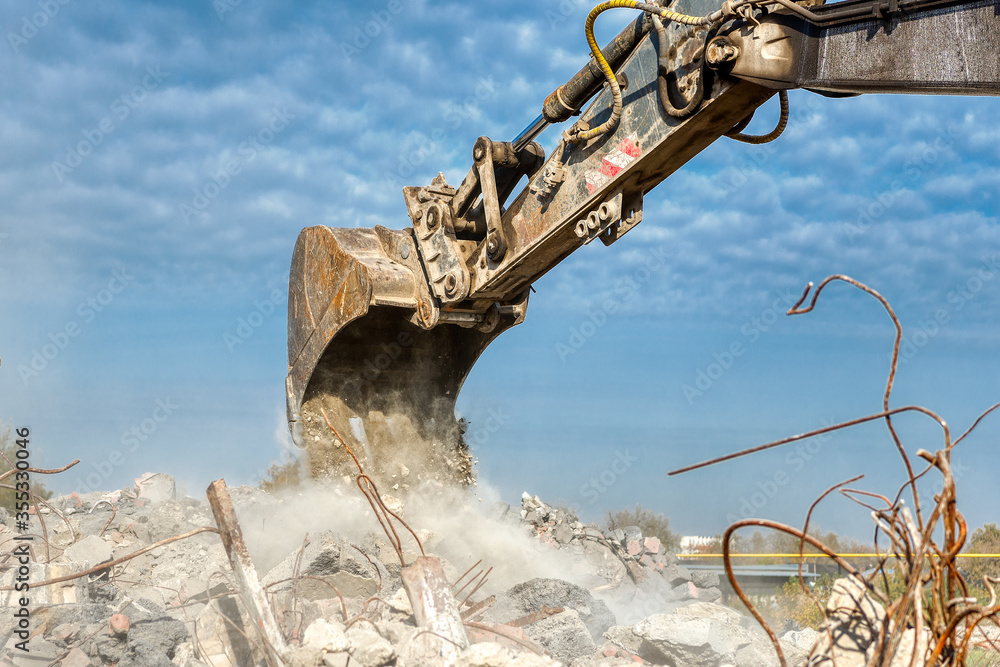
x,y
384,325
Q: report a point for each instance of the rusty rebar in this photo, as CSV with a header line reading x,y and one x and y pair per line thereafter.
x,y
951,616
374,499
117,561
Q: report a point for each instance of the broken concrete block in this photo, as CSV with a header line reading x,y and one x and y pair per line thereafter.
x,y
563,635
76,658
400,602
533,595
708,635
368,648
156,487
92,550
709,594
40,653
153,641
73,591
705,579
562,534
653,545
676,574
852,620
685,591
325,636
167,519
624,637
797,643
349,585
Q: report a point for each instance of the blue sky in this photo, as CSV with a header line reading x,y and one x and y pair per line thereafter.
x,y
160,159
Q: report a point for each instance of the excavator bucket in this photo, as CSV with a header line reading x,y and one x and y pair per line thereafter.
x,y
367,368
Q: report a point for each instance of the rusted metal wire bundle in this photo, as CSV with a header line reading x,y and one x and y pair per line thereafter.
x,y
936,601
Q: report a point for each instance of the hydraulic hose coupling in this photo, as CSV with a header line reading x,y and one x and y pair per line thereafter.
x,y
593,221
607,211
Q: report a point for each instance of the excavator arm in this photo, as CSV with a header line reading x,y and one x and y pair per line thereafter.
x,y
384,325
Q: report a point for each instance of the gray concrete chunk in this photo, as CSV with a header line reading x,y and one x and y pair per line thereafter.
x,y
91,549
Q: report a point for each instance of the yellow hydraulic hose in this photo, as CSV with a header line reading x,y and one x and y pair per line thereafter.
x,y
729,8
616,92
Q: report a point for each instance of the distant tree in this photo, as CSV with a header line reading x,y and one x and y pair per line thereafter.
x,y
8,459
984,540
777,542
282,476
805,609
651,523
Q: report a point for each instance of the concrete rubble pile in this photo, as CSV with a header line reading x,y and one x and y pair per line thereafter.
x,y
342,602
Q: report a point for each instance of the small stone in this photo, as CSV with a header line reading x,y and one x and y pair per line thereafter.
x,y
686,591
705,579
392,503
325,636
634,548
401,602
119,625
676,574
653,545
562,534
368,648
76,658
709,594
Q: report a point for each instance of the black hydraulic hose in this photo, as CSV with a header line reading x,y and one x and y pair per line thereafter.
x,y
663,79
737,131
